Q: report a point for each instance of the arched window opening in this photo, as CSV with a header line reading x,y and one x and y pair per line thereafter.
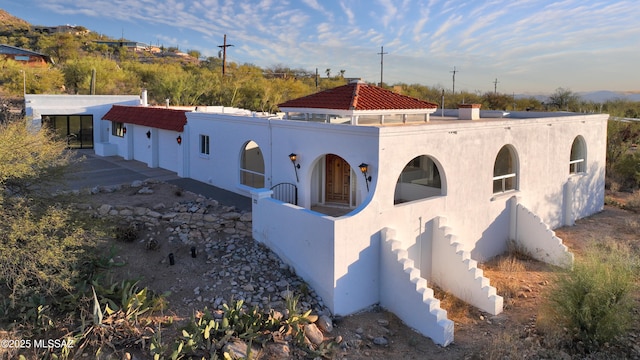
x,y
505,171
577,163
420,179
252,166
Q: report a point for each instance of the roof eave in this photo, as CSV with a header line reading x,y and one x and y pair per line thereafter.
x,y
342,112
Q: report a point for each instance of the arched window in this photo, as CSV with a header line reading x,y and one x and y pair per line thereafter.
x,y
505,171
420,179
252,166
577,161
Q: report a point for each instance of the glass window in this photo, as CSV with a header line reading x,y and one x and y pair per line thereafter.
x,y
505,171
118,129
420,179
578,155
204,144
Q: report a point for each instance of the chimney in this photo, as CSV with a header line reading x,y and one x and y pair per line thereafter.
x,y
143,98
469,111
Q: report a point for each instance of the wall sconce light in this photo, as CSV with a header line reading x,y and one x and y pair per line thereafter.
x,y
293,157
124,130
364,167
149,134
179,139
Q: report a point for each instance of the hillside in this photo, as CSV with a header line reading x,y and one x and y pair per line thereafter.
x,y
11,24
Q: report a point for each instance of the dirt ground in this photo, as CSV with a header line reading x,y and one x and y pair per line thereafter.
x,y
511,334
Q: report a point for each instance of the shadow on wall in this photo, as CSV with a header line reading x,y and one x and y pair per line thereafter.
x,y
421,251
360,286
582,194
589,199
494,239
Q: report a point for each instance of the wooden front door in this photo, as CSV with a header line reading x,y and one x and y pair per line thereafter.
x,y
337,180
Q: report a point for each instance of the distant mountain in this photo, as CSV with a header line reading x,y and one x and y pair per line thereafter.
x,y
604,95
593,96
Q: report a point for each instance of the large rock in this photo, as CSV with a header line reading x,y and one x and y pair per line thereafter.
x,y
314,334
104,209
325,323
231,216
238,349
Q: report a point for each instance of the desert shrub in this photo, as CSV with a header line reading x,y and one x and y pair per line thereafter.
x,y
623,162
627,170
592,303
40,240
126,232
633,202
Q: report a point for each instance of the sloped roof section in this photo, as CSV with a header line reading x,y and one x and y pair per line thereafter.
x,y
358,96
16,51
155,117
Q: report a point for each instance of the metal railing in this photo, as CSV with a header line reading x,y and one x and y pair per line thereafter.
x,y
285,192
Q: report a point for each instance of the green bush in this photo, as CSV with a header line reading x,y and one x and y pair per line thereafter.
x,y
592,303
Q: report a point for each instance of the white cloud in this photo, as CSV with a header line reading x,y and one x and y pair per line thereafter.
x,y
389,11
351,18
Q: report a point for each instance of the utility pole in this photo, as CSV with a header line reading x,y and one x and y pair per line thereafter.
x,y
24,82
382,54
495,86
224,47
454,78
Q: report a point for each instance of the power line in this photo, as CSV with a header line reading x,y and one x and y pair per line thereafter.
x,y
382,54
495,86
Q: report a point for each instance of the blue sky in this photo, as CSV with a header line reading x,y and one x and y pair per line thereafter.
x,y
529,46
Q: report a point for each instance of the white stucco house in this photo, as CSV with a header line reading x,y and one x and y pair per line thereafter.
x,y
373,197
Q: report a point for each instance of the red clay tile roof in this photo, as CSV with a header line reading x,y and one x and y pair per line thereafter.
x,y
358,96
160,118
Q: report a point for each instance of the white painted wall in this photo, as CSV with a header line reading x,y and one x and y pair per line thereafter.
x,y
307,243
96,105
466,153
170,155
480,219
228,135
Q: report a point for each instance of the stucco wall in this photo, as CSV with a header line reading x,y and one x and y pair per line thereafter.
x,y
96,105
307,243
465,152
228,136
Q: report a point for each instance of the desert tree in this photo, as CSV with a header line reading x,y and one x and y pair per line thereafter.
x,y
39,241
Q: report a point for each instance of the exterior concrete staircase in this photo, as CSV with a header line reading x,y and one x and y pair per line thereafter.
x,y
536,238
454,271
405,293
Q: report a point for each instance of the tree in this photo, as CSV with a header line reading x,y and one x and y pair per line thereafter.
x,y
60,46
110,78
38,240
564,99
496,101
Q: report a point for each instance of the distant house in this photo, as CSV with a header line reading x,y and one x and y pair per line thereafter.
x,y
24,56
76,30
128,44
374,197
